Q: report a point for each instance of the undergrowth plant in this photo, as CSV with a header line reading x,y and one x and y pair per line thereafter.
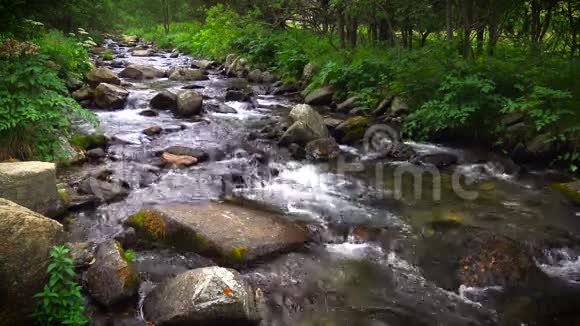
x,y
61,301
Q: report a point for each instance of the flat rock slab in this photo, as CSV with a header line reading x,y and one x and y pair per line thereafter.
x,y
30,184
235,234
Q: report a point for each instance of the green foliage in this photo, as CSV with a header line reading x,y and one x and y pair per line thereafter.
x,y
460,104
61,301
35,112
70,57
130,255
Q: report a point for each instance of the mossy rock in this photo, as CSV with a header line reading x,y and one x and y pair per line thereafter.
x,y
487,186
150,222
87,142
571,190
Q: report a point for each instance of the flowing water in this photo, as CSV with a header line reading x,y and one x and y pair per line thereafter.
x,y
382,250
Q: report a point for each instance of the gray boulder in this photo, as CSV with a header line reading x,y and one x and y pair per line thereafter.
x,y
102,75
140,72
239,96
164,101
255,76
189,103
348,105
30,184
307,126
251,233
110,97
25,238
321,96
112,279
204,296
183,74
82,94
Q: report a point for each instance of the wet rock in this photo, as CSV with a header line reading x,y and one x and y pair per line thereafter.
x,y
117,64
140,72
183,74
251,234
384,106
110,97
298,152
238,68
477,258
130,40
102,185
82,253
352,130
321,96
102,75
153,131
178,161
204,296
30,184
223,108
440,160
200,155
285,89
189,103
165,100
571,190
82,94
112,279
348,105
323,149
143,53
255,76
238,96
96,154
25,238
203,64
149,113
307,126
396,151
332,124
193,86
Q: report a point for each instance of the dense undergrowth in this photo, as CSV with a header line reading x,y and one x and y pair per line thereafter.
x,y
450,97
35,109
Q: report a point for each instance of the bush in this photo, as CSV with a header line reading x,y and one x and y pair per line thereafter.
x,y
35,112
70,57
61,301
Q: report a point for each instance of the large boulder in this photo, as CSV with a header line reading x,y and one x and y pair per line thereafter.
x,y
25,238
238,68
307,126
140,72
164,101
183,74
231,233
30,184
110,97
82,94
102,75
204,296
189,103
321,96
352,130
112,279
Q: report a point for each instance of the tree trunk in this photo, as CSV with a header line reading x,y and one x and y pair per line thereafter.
x,y
166,16
341,33
449,17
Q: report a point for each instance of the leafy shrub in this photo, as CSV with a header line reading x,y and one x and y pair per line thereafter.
x,y
70,57
130,255
35,112
61,301
461,103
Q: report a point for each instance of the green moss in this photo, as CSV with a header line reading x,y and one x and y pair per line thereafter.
x,y
149,221
64,196
86,142
237,254
108,56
